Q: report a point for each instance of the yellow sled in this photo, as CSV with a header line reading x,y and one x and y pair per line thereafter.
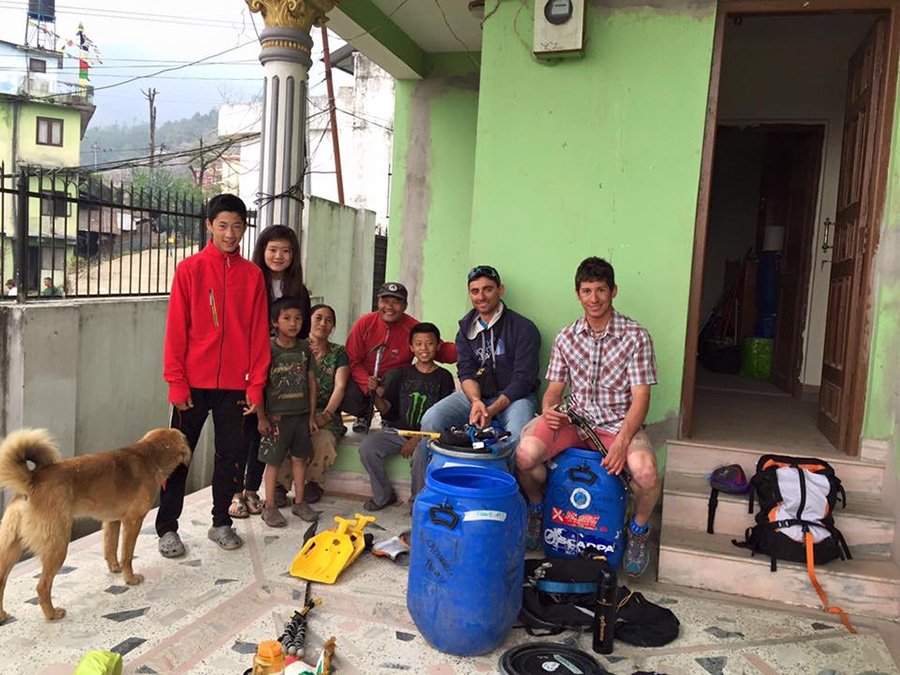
x,y
357,536
326,555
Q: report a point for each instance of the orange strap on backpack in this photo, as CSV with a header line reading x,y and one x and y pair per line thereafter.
x,y
810,568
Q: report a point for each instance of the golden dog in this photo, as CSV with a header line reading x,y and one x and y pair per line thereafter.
x,y
117,488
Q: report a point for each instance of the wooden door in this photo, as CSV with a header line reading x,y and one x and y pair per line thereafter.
x,y
800,158
852,235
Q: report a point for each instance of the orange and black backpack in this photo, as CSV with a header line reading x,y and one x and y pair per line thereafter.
x,y
795,522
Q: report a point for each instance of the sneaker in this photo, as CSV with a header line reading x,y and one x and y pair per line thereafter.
x,y
372,505
281,499
313,493
272,517
361,426
170,545
534,528
637,553
225,537
304,511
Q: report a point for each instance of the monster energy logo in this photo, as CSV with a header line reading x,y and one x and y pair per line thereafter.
x,y
417,408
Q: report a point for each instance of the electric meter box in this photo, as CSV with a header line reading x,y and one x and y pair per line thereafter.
x,y
559,28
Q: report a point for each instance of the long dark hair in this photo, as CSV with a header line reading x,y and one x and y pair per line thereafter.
x,y
292,285
292,282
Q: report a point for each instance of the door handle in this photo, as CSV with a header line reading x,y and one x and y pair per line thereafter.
x,y
826,242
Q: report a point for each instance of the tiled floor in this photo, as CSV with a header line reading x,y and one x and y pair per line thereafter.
x,y
206,612
736,411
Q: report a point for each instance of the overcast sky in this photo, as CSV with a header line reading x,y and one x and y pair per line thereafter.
x,y
139,38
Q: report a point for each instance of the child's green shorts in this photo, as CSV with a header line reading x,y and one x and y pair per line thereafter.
x,y
289,435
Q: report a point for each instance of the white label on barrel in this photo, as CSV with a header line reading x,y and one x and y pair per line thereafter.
x,y
568,664
499,516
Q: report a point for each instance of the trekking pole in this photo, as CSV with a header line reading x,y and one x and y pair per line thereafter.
x,y
582,423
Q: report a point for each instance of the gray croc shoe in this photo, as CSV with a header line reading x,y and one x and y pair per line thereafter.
x,y
170,545
272,517
225,537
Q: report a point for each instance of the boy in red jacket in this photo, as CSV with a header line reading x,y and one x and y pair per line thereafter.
x,y
216,358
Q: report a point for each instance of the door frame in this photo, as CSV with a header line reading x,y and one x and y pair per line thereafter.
x,y
725,8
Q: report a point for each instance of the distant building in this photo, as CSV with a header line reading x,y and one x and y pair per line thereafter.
x,y
42,122
365,114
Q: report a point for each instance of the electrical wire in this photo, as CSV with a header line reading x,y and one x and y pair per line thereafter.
x,y
160,72
453,33
128,15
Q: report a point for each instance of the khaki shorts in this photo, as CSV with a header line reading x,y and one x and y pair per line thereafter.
x,y
570,436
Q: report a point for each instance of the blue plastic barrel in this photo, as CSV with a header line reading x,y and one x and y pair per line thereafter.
x,y
768,278
584,506
446,456
765,326
467,559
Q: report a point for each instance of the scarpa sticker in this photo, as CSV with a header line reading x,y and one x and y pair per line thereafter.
x,y
581,498
499,516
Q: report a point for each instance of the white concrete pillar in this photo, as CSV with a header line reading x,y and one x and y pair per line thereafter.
x,y
285,55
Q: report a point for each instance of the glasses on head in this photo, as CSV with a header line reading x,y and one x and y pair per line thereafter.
x,y
484,271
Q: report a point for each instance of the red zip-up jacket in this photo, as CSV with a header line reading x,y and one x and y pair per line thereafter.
x,y
217,330
369,331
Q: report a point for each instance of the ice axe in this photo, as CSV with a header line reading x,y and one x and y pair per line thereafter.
x,y
379,353
582,423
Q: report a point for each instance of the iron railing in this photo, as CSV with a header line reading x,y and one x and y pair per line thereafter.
x,y
79,235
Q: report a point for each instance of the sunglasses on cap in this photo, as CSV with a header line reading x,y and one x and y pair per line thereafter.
x,y
484,271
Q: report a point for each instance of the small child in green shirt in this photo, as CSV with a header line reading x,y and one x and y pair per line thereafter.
x,y
286,425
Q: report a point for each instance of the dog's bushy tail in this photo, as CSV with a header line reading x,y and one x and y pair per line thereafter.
x,y
26,445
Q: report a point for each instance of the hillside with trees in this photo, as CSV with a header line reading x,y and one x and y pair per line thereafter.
x,y
118,142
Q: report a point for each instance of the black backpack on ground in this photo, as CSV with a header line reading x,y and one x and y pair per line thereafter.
x,y
559,595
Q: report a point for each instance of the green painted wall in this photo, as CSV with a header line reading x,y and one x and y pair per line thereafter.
x,y
431,190
45,155
592,156
6,116
883,395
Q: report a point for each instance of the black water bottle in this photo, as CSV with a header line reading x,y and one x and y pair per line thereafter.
x,y
605,612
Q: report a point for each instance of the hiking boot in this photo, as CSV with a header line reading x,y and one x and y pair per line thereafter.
x,y
534,528
170,545
305,512
272,517
313,493
225,537
372,505
637,553
281,498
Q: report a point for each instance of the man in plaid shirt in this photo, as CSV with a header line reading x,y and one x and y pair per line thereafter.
x,y
607,361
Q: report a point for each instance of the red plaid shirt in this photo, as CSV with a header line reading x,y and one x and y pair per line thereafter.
x,y
602,370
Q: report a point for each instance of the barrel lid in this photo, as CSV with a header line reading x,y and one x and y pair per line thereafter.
x,y
581,453
540,658
467,453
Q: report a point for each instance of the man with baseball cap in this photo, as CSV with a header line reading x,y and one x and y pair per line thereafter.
x,y
385,330
497,364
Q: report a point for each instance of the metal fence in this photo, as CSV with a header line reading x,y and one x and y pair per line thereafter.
x,y
71,234
80,235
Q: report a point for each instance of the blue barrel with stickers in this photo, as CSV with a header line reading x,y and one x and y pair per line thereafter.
x,y
447,456
584,506
467,558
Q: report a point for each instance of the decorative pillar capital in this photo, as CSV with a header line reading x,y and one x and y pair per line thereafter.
x,y
298,15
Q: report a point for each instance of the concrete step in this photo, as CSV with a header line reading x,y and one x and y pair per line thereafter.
x,y
698,459
865,523
863,586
